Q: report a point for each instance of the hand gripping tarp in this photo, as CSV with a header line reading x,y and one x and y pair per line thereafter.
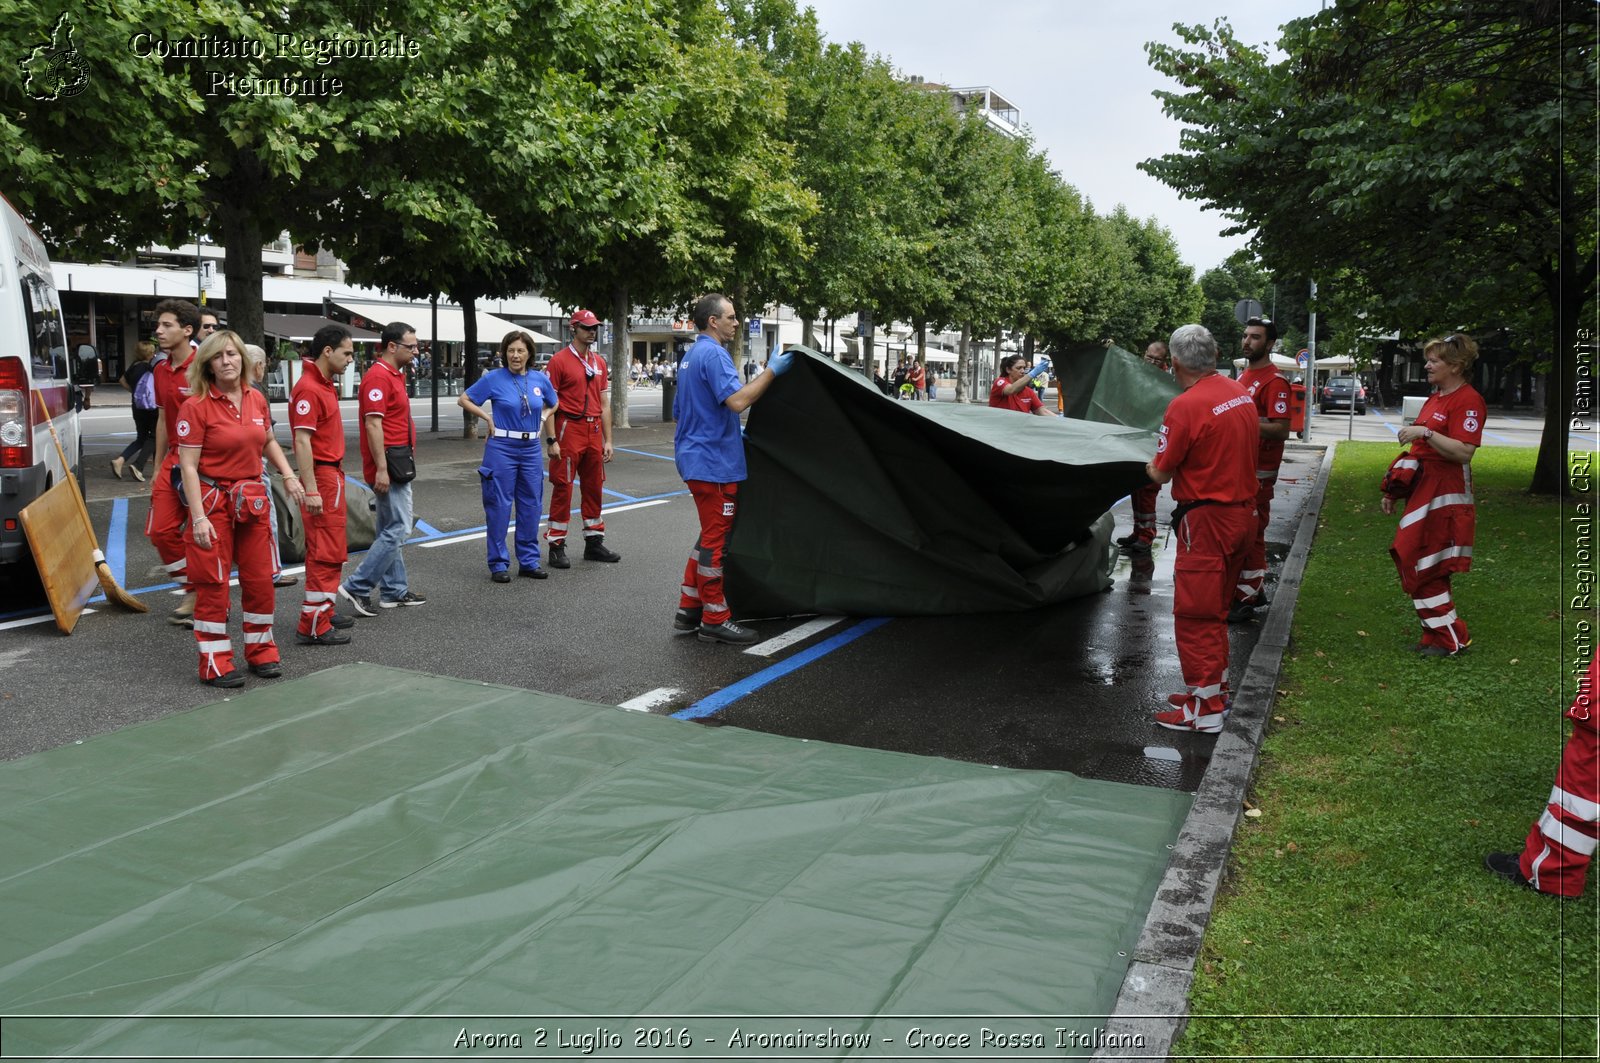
x,y
864,505
371,863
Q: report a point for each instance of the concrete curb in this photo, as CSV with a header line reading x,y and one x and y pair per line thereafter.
x,y
1152,1006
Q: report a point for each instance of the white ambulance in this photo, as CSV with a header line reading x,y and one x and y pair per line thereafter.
x,y
33,366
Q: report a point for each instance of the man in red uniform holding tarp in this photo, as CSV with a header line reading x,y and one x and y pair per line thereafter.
x,y
1207,450
318,428
583,429
1271,394
1555,858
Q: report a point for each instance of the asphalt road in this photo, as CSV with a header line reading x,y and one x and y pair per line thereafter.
x,y
1068,687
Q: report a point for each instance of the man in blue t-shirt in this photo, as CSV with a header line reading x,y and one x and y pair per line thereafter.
x,y
710,456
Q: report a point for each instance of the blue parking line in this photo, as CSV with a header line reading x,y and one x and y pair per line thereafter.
x,y
715,703
617,494
116,549
645,454
427,529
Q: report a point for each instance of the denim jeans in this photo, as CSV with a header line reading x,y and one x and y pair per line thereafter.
x,y
384,568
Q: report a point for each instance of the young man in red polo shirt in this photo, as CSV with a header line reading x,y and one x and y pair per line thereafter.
x,y
583,428
319,452
177,324
1271,394
386,422
1207,450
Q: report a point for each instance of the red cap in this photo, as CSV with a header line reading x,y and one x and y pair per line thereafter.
x,y
583,317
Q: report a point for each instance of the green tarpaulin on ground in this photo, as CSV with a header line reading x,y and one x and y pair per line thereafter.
x,y
864,505
366,844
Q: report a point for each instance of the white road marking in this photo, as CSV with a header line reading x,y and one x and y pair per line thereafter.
x,y
789,638
473,536
1162,753
650,699
48,618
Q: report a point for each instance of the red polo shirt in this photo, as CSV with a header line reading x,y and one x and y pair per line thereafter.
x,y
230,438
172,391
383,394
1208,442
314,407
1024,401
580,381
1271,394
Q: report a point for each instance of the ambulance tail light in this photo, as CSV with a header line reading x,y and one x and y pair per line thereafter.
x,y
16,433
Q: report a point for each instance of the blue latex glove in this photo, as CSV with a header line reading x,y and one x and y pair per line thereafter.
x,y
1042,367
782,363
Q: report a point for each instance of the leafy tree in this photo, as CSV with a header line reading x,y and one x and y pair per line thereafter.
x,y
1441,150
1154,290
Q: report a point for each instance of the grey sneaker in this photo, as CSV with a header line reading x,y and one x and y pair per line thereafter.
x,y
728,632
362,606
408,598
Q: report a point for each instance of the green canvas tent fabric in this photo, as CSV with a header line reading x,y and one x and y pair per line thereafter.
x,y
864,505
1113,386
410,858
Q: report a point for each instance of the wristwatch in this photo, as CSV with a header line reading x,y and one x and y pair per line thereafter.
x,y
1427,433
549,439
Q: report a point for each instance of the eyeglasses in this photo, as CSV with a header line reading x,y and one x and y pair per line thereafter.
x,y
591,328
410,346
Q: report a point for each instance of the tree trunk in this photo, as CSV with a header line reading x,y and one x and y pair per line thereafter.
x,y
808,332
621,358
240,232
1563,385
469,375
963,363
922,343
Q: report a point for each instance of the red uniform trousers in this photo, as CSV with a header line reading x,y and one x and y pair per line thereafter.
x,y
1561,843
702,576
582,456
1254,571
1437,611
1144,513
249,545
1212,543
326,551
167,521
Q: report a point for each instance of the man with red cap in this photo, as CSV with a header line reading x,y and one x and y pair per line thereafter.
x,y
583,429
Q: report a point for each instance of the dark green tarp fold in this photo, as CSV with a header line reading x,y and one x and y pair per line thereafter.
x,y
864,505
1113,386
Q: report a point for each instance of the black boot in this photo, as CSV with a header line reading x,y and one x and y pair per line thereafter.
x,y
594,549
558,556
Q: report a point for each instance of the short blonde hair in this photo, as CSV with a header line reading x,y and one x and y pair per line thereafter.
x,y
199,371
1457,350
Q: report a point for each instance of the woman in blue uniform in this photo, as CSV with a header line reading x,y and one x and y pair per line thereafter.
x,y
522,401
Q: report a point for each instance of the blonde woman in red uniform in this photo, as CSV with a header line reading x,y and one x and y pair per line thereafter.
x,y
223,431
1435,534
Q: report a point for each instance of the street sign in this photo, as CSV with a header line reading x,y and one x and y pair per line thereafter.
x,y
208,276
755,328
1245,309
1303,359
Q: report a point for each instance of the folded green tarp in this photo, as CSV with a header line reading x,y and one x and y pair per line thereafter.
x,y
414,859
864,505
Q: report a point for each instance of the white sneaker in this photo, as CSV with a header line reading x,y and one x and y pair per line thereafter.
x,y
360,605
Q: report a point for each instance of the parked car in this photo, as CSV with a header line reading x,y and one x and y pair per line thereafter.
x,y
1336,395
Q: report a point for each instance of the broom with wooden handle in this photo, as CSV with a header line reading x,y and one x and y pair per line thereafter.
x,y
108,582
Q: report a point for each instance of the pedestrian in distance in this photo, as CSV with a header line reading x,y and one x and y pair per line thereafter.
x,y
1270,392
389,465
223,432
1556,854
177,322
522,403
1139,541
209,324
139,378
318,427
709,451
1206,448
583,433
1013,389
1435,536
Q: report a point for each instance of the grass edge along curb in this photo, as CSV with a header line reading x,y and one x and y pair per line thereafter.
x,y
1152,1005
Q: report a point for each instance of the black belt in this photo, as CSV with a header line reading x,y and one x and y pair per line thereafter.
x,y
329,464
1182,509
577,416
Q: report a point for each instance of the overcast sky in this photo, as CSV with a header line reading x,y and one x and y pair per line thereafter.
x,y
1076,69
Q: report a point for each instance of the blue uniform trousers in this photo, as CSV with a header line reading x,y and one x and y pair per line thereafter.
x,y
512,473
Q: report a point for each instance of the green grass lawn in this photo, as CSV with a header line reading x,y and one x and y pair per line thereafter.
x,y
1358,920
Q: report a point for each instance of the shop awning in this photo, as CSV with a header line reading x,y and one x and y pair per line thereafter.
x,y
297,327
452,321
